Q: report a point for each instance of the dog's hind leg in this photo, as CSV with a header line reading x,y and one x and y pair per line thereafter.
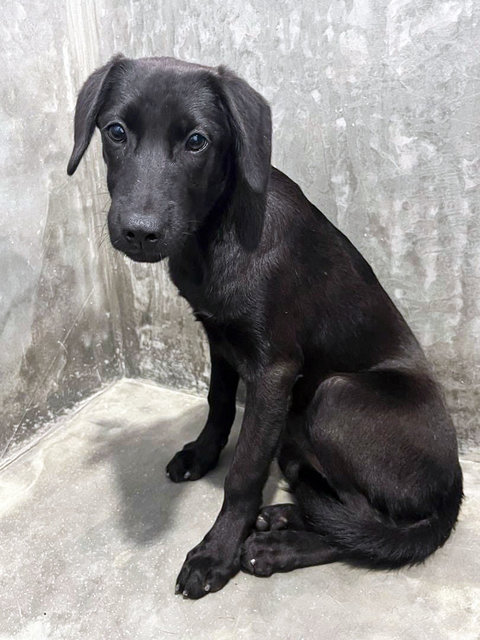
x,y
386,447
198,457
379,486
293,459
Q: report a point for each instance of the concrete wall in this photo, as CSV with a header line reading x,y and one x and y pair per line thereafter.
x,y
375,106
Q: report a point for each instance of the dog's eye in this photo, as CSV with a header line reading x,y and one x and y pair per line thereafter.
x,y
117,132
196,142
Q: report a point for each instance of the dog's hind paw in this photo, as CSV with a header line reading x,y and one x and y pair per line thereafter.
x,y
263,554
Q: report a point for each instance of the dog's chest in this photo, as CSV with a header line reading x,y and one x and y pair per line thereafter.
x,y
223,304
214,287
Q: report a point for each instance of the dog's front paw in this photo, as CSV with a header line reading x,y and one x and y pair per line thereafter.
x,y
191,463
206,570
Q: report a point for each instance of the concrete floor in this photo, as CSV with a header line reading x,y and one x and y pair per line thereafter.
x,y
93,534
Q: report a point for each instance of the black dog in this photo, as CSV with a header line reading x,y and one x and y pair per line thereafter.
x,y
337,386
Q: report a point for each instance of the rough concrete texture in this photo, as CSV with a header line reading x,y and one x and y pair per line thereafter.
x,y
93,534
375,110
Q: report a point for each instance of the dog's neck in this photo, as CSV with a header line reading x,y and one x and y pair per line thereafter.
x,y
217,256
234,225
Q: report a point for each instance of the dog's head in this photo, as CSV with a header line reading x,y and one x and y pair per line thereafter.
x,y
179,141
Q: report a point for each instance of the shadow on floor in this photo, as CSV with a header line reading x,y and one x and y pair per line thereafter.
x,y
139,456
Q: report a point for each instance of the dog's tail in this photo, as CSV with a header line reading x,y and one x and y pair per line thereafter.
x,y
363,536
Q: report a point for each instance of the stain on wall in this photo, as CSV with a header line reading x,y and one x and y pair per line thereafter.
x,y
375,111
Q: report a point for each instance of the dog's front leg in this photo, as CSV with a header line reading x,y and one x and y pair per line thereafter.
x,y
200,456
210,565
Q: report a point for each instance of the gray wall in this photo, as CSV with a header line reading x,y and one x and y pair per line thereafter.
x,y
375,107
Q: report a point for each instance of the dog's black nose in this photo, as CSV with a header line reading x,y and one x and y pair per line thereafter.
x,y
140,236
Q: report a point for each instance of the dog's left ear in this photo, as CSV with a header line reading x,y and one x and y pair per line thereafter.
x,y
251,121
88,105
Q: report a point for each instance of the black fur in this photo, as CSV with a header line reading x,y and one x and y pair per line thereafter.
x,y
337,385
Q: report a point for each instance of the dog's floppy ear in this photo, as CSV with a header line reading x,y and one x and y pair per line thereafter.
x,y
88,105
251,123
252,127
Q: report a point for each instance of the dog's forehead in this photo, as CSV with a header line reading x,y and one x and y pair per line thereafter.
x,y
158,94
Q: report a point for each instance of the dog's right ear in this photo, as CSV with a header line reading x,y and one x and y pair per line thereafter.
x,y
89,102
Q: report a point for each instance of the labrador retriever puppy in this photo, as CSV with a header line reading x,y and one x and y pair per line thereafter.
x,y
337,386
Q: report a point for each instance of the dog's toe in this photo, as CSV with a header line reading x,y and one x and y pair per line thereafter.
x,y
262,524
279,516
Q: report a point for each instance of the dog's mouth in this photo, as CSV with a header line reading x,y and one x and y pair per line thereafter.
x,y
140,256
